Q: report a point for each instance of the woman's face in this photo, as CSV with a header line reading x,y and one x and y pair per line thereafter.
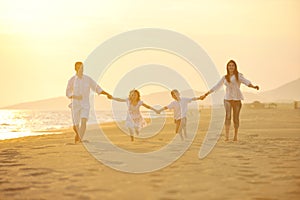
x,y
231,67
133,96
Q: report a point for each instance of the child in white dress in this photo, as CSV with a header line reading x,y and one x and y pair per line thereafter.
x,y
134,120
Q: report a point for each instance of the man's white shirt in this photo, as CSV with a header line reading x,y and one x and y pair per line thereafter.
x,y
81,87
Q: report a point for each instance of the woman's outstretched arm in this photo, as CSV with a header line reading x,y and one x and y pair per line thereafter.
x,y
216,87
253,86
247,82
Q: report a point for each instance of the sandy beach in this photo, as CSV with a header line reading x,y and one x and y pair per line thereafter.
x,y
263,164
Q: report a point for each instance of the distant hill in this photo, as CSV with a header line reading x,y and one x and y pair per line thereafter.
x,y
286,93
57,104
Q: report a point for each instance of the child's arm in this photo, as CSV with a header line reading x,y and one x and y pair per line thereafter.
x,y
162,109
196,98
150,108
116,99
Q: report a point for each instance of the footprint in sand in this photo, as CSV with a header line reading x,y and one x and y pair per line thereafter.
x,y
15,189
36,171
43,147
167,198
9,158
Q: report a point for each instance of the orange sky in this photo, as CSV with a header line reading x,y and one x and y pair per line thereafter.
x,y
41,40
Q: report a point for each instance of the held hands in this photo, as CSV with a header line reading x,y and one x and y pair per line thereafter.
x,y
202,97
109,96
157,111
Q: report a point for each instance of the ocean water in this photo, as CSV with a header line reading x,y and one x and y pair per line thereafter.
x,y
21,123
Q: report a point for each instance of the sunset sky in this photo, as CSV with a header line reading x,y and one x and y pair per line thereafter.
x,y
40,40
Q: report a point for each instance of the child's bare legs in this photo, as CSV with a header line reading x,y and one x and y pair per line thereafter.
x,y
183,126
178,128
131,134
137,131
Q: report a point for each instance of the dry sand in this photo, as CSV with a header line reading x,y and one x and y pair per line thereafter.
x,y
263,164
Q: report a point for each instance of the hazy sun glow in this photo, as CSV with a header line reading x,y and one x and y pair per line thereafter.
x,y
130,61
41,39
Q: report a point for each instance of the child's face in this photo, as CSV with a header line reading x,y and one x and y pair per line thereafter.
x,y
176,95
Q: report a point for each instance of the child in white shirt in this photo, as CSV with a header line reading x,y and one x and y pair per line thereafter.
x,y
180,107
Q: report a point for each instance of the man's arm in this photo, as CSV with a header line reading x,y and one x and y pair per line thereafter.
x,y
69,90
96,88
106,93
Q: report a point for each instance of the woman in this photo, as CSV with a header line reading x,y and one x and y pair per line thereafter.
x,y
233,96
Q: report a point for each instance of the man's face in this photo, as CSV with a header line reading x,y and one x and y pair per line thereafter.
x,y
80,70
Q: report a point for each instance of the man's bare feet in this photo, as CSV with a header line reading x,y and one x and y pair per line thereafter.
x,y
77,139
235,139
226,139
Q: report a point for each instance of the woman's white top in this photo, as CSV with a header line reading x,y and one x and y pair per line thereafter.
x,y
233,91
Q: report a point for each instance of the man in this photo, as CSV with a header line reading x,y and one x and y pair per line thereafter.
x,y
78,90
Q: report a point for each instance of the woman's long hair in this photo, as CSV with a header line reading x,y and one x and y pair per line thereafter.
x,y
134,91
236,73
